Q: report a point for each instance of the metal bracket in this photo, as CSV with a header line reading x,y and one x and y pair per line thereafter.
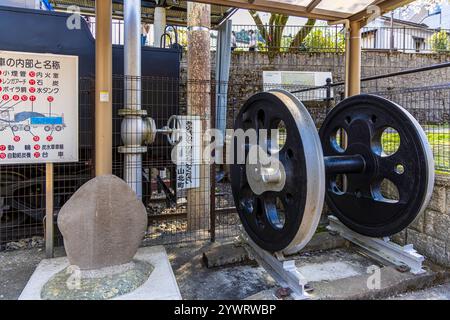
x,y
284,272
380,249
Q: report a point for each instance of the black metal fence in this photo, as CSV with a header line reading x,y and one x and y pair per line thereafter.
x,y
317,38
175,213
429,105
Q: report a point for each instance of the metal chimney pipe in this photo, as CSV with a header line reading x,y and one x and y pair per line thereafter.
x,y
132,129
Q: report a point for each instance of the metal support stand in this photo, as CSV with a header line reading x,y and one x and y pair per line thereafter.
x,y
381,249
284,272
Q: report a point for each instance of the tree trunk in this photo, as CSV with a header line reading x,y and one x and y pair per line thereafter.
x,y
301,35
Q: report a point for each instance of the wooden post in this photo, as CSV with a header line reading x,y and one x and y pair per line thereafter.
x,y
49,210
199,104
353,61
103,87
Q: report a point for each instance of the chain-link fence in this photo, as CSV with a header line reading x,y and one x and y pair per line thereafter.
x,y
178,210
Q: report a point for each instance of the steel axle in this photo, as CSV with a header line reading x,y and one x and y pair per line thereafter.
x,y
345,164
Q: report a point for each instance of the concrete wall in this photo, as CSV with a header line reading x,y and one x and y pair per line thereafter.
x,y
430,232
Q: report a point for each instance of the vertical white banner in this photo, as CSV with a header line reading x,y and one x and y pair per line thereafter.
x,y
188,152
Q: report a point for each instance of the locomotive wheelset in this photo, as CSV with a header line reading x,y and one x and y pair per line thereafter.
x,y
346,163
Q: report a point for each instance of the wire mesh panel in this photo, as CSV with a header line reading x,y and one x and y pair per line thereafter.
x,y
22,187
179,210
430,106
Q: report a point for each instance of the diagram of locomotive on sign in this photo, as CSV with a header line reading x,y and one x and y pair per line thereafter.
x,y
28,120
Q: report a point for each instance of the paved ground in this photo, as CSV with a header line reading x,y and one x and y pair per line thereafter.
x,y
441,292
236,282
194,279
16,267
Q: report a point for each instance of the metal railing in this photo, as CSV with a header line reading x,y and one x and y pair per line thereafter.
x,y
429,105
319,38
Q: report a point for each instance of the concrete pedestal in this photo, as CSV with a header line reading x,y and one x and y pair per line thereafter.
x,y
161,285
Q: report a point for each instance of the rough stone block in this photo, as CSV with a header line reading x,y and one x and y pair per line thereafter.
x,y
418,223
433,249
437,201
448,200
437,225
103,224
226,254
399,238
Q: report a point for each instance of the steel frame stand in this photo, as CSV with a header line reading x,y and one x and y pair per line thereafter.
x,y
282,270
381,249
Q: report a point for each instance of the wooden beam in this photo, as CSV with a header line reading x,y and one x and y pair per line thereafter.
x,y
383,5
310,7
282,8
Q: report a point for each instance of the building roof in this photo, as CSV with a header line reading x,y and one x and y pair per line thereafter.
x,y
329,10
176,13
405,22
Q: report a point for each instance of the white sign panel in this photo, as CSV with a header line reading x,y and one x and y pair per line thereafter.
x,y
295,80
38,108
188,152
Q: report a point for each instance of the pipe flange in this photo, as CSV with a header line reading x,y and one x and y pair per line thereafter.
x,y
132,113
149,130
132,149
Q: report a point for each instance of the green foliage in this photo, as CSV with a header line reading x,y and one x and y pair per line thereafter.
x,y
324,40
440,41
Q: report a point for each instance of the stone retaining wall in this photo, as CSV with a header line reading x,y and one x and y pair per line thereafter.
x,y
430,232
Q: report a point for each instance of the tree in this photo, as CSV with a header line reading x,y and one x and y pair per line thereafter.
x,y
272,33
439,41
324,40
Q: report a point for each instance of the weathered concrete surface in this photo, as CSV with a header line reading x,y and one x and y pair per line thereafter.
x,y
103,224
333,264
16,268
324,241
268,294
161,283
441,292
225,255
356,288
219,255
198,282
194,279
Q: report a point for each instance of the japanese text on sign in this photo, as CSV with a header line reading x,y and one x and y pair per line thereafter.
x,y
188,153
38,108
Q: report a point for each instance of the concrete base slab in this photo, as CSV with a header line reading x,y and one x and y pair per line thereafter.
x,y
365,287
332,265
226,255
324,241
161,285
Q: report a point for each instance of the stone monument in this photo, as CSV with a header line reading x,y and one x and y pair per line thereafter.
x,y
103,225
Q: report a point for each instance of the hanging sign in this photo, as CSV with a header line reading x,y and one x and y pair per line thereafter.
x,y
38,108
187,152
